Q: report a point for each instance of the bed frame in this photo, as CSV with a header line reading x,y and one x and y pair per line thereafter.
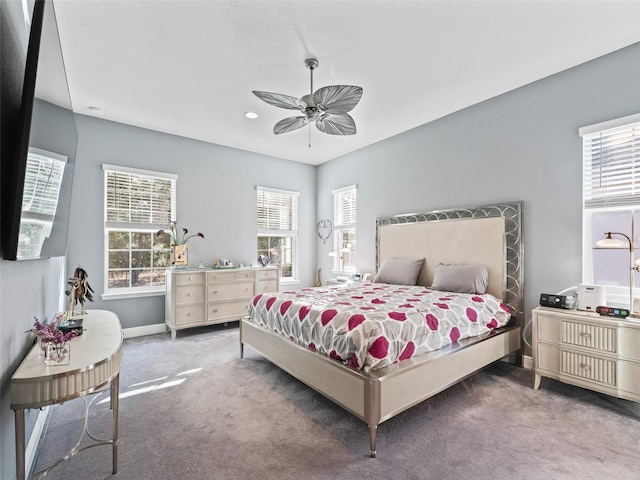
x,y
489,235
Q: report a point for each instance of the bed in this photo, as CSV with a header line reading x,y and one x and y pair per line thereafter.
x,y
378,388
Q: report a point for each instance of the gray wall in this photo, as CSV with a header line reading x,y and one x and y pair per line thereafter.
x,y
215,195
523,145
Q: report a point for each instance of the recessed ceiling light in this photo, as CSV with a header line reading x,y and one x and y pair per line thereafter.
x,y
96,110
251,115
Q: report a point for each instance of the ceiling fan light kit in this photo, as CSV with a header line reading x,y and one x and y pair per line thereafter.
x,y
328,107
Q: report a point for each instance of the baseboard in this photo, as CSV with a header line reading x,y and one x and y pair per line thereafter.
x,y
527,362
34,439
144,330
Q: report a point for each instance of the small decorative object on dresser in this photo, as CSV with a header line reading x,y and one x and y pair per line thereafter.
x,y
179,248
587,350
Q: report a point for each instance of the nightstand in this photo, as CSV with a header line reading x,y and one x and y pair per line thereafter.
x,y
334,282
587,350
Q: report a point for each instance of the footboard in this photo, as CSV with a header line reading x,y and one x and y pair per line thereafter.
x,y
379,395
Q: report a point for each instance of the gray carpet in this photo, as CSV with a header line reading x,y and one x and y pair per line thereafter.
x,y
191,409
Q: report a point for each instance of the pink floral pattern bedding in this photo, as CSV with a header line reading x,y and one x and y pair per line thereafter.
x,y
371,326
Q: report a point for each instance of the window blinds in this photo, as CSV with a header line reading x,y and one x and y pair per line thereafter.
x,y
134,199
612,167
345,206
43,178
276,209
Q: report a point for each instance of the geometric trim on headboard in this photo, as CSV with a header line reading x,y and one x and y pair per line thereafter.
x,y
512,213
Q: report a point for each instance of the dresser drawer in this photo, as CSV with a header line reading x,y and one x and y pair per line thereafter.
x,y
230,291
190,294
267,286
230,276
187,314
271,274
191,278
226,310
549,328
600,370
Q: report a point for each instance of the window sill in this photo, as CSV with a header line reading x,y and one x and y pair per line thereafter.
x,y
124,295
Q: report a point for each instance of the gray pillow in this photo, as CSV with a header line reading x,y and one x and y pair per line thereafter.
x,y
460,278
399,271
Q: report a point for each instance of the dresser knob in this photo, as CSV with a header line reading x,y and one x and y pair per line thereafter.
x,y
585,366
585,335
189,294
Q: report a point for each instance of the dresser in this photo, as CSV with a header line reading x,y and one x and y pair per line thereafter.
x,y
196,297
587,350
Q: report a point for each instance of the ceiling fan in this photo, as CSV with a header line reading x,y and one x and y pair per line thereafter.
x,y
328,106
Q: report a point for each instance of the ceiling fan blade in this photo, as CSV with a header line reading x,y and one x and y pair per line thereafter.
x,y
336,124
280,100
337,99
289,123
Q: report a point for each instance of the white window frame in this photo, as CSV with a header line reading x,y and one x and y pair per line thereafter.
x,y
293,233
143,227
626,199
340,226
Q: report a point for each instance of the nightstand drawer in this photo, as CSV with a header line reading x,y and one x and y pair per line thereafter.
x,y
230,291
600,370
600,338
190,294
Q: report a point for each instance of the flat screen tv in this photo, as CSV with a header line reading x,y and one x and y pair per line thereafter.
x,y
38,177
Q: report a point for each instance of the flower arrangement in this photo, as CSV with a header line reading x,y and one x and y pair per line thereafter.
x,y
50,333
175,237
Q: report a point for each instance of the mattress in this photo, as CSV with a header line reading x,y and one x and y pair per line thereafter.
x,y
372,325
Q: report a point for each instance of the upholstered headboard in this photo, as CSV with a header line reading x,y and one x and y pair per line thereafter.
x,y
489,236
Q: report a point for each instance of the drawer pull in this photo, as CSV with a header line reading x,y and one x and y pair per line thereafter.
x,y
190,278
215,310
585,335
585,366
189,294
214,291
189,314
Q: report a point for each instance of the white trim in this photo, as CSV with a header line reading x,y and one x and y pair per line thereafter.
x,y
277,190
130,294
617,122
34,439
527,362
154,329
47,153
139,171
344,189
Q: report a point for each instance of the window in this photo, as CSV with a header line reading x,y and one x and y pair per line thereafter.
x,y
277,215
344,226
138,203
611,154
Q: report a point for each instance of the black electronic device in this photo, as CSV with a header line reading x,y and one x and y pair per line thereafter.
x,y
613,312
557,301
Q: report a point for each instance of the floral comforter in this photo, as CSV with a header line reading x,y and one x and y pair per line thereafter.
x,y
371,326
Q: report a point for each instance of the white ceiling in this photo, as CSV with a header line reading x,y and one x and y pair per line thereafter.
x,y
188,67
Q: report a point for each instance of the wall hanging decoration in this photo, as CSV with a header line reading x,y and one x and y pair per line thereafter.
x,y
179,249
325,229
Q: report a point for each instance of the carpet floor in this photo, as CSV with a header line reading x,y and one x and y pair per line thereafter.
x,y
192,409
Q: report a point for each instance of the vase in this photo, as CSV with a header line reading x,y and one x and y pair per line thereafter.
x,y
179,255
57,353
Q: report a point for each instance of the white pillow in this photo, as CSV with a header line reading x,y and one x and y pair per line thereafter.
x,y
460,278
399,271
